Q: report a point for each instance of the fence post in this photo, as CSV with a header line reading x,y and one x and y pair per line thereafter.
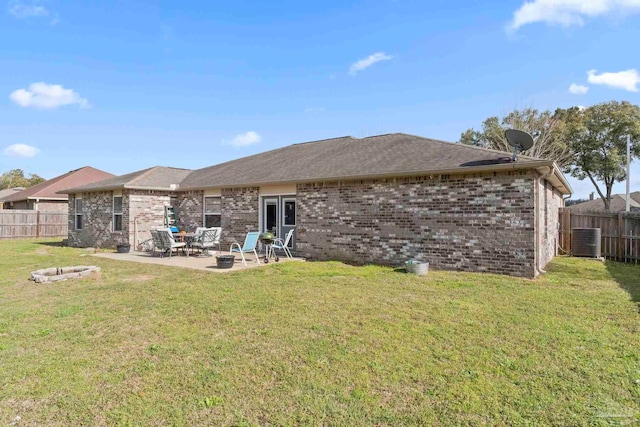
x,y
37,223
567,230
620,237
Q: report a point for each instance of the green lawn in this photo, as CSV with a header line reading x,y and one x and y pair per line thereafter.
x,y
315,344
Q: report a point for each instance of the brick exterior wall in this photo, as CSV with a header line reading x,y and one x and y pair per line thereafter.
x,y
97,221
239,213
189,210
146,208
551,202
481,222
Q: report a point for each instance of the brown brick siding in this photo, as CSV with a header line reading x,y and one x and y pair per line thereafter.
x,y
146,210
189,210
551,202
239,213
97,221
471,223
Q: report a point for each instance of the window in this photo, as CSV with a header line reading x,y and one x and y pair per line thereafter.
x,y
78,214
289,217
117,213
212,212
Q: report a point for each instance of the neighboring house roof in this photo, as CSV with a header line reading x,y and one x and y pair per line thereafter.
x,y
49,190
8,192
348,157
155,178
330,159
618,203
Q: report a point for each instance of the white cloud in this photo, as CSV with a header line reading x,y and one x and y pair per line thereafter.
x,y
45,96
24,11
314,109
568,12
21,150
627,80
244,139
578,89
368,62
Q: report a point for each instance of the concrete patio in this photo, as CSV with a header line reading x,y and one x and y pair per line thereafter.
x,y
207,263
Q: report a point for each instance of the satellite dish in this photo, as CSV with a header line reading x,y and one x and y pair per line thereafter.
x,y
519,140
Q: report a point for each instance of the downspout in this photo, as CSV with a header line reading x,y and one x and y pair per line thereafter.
x,y
538,199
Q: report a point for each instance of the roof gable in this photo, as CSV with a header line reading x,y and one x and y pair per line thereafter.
x,y
50,189
157,177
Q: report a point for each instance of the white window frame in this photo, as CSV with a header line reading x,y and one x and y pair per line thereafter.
x,y
78,214
204,209
120,214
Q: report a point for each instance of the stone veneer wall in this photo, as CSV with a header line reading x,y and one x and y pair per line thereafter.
x,y
189,210
551,202
479,222
239,213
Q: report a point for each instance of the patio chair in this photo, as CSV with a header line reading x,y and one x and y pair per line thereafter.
x,y
168,242
250,242
283,245
206,240
158,244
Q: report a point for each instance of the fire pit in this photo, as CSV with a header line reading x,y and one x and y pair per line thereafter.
x,y
57,274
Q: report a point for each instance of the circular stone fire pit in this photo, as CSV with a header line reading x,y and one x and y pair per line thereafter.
x,y
57,274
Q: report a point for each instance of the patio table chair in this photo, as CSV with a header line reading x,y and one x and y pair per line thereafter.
x,y
250,242
283,245
168,242
207,240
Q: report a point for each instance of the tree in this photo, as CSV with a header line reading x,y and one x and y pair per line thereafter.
x,y
549,144
15,178
598,137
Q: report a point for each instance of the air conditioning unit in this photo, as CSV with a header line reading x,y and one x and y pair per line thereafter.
x,y
586,242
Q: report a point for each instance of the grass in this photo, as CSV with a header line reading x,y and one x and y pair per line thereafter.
x,y
315,343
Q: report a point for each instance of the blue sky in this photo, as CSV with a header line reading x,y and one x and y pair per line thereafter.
x,y
126,85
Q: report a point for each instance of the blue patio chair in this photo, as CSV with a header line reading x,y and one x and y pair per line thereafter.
x,y
250,242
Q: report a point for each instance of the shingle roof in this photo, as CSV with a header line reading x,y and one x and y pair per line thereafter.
x,y
347,157
618,203
50,189
9,191
157,177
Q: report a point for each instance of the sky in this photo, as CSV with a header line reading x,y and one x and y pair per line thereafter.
x,y
122,86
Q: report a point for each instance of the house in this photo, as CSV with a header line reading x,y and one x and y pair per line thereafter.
x,y
618,204
45,196
382,199
8,192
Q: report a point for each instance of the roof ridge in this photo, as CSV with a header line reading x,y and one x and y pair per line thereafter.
x,y
464,146
322,140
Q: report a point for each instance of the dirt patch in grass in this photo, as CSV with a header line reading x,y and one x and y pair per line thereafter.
x,y
139,278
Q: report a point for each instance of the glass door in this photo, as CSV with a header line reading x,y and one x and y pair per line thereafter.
x,y
279,217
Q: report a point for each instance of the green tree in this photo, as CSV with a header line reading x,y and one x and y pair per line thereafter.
x,y
598,137
549,143
15,178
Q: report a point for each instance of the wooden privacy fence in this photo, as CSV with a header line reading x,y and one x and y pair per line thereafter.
x,y
620,232
15,224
